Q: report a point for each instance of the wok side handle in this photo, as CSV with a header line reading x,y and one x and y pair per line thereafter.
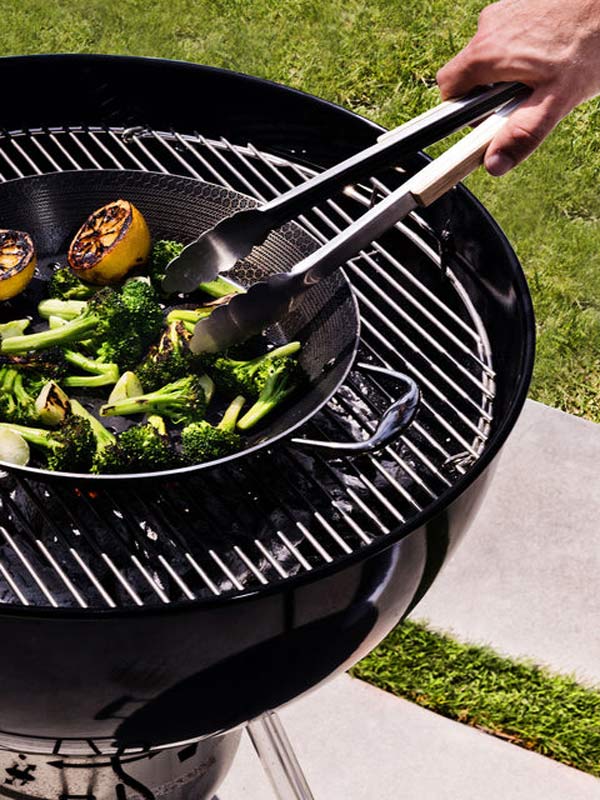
x,y
394,421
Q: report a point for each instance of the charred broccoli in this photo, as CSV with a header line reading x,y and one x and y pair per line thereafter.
x,y
168,360
201,441
249,377
141,448
68,448
182,401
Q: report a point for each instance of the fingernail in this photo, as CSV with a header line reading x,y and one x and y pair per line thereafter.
x,y
499,164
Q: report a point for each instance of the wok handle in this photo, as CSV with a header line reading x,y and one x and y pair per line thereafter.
x,y
394,421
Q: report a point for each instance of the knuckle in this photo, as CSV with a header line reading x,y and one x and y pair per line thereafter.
x,y
487,13
526,138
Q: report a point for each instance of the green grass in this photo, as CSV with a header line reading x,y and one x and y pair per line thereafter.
x,y
519,702
380,59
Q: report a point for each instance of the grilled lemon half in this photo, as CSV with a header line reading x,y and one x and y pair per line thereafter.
x,y
112,241
17,262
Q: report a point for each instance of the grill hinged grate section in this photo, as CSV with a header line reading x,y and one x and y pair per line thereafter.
x,y
281,513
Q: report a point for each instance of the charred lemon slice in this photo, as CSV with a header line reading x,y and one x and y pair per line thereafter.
x,y
112,241
17,262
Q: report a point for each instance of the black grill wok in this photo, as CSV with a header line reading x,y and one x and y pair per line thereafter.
x,y
52,207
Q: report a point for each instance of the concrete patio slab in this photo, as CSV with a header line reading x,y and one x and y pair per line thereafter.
x,y
525,579
356,742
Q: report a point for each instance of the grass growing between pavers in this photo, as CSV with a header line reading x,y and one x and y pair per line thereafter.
x,y
517,701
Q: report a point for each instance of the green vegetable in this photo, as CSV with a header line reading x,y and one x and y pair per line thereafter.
x,y
249,377
69,448
141,448
182,401
166,250
122,325
65,285
280,383
202,441
168,360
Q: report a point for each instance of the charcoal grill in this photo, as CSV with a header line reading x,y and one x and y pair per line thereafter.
x,y
138,619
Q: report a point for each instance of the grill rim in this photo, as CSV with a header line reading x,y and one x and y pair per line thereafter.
x,y
377,546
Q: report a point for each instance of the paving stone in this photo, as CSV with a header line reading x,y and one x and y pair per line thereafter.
x,y
525,578
356,742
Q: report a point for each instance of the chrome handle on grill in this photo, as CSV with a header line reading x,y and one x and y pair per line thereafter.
x,y
394,421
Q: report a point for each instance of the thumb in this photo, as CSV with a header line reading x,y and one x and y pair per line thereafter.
x,y
525,129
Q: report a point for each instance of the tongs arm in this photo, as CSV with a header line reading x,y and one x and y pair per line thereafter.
x,y
432,126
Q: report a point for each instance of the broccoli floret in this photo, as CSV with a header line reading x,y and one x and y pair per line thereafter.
x,y
16,403
280,383
68,448
201,441
141,301
182,401
164,251
249,377
102,436
38,368
168,360
65,285
120,324
141,448
50,363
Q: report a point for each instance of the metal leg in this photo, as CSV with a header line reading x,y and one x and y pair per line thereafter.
x,y
278,758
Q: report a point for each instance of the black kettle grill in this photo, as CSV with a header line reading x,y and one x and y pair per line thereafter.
x,y
137,618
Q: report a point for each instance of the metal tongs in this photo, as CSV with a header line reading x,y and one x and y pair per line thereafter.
x,y
267,301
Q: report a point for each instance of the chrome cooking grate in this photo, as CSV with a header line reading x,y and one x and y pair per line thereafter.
x,y
279,513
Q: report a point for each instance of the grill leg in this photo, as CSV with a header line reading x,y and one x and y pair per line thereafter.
x,y
278,758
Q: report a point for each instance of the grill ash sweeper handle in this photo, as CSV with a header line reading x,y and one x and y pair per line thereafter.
x,y
392,424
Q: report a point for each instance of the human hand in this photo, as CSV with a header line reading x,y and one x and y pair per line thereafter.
x,y
551,45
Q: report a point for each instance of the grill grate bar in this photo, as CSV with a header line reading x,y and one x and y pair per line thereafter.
x,y
99,588
171,150
205,163
25,562
124,583
60,572
231,168
12,584
118,141
64,151
84,150
112,157
295,552
273,561
26,157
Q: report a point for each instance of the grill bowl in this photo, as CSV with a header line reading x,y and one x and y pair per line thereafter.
x,y
176,668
